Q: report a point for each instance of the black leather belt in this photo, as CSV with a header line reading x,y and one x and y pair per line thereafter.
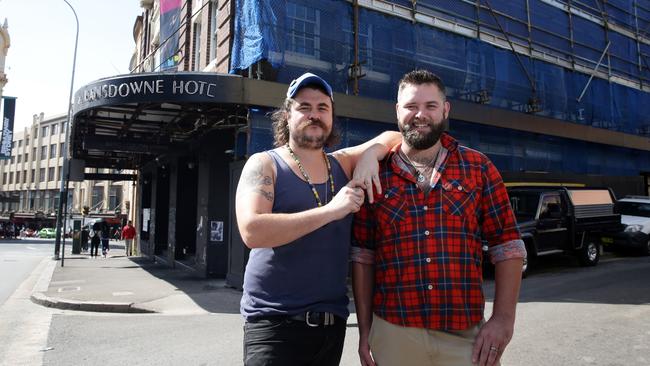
x,y
315,319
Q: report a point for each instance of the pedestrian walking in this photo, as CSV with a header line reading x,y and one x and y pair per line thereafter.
x,y
84,239
105,237
128,234
417,250
94,242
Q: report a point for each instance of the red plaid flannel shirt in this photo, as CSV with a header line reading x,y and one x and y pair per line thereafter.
x,y
427,249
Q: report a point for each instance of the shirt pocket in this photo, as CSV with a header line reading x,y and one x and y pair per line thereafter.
x,y
458,196
391,207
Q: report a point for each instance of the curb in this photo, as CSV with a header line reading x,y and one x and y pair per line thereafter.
x,y
94,306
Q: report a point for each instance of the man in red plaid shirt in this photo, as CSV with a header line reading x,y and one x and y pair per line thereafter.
x,y
417,250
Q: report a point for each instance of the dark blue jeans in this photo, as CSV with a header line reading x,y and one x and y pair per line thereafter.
x,y
282,341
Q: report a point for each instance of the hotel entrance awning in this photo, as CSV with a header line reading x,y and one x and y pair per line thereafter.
x,y
125,121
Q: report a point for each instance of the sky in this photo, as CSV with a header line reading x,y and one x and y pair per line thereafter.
x,y
39,60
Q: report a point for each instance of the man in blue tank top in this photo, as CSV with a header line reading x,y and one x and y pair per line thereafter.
x,y
294,206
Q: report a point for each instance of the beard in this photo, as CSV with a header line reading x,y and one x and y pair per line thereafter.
x,y
421,140
310,142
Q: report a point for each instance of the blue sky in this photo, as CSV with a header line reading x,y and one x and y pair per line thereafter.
x,y
39,61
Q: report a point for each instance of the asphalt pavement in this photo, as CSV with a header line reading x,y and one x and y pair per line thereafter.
x,y
121,284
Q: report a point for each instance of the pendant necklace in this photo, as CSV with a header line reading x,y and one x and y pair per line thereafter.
x,y
306,176
420,177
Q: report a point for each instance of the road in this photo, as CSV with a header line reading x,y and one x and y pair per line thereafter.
x,y
23,325
567,315
18,258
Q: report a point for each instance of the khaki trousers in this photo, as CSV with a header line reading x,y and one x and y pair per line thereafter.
x,y
394,345
128,245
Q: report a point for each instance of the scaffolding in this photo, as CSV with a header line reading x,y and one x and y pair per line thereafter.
x,y
581,61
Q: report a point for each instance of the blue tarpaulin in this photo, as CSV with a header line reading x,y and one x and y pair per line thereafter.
x,y
295,36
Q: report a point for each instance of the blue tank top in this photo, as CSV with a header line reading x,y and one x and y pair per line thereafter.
x,y
308,274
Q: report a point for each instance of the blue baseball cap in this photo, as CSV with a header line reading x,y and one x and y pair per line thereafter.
x,y
306,79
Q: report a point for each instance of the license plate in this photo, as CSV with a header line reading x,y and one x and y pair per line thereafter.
x,y
607,240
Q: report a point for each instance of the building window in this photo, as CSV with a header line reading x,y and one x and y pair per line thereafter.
x,y
17,177
12,159
41,177
54,129
24,176
52,151
4,178
365,43
304,29
43,152
27,141
197,46
214,6
39,201
44,131
46,201
20,143
54,201
31,197
34,152
62,127
11,177
61,149
50,174
33,177
26,157
20,159
98,197
115,197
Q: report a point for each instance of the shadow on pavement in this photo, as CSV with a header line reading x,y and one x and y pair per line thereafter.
x,y
623,280
210,294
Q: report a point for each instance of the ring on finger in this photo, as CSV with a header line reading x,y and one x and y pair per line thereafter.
x,y
494,349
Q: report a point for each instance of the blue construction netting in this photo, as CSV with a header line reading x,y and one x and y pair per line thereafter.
x,y
510,150
295,36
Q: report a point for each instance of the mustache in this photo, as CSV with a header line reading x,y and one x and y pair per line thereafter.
x,y
411,123
314,122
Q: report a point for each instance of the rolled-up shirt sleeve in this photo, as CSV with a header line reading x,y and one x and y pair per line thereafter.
x,y
498,224
363,236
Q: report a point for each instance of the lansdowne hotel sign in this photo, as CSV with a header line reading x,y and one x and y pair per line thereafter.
x,y
175,87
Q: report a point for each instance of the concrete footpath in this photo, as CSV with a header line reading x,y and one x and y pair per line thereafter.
x,y
121,284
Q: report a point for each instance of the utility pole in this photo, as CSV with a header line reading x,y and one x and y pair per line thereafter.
x,y
63,195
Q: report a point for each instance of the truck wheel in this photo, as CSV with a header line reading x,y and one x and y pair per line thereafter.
x,y
646,250
590,253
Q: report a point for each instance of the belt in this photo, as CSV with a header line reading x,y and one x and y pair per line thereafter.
x,y
315,319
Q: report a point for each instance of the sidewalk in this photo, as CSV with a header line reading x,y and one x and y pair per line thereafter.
x,y
131,285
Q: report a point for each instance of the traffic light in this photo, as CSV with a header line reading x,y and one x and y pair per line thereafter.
x,y
85,210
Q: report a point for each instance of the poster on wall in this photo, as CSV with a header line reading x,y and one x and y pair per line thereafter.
x,y
170,13
7,127
145,219
216,230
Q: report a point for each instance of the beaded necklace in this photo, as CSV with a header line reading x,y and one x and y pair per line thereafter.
x,y
306,176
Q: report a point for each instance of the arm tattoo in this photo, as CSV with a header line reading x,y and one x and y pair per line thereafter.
x,y
255,180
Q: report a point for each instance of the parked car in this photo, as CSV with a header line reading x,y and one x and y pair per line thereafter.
x,y
564,220
635,215
47,233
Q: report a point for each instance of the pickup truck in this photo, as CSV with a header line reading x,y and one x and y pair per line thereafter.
x,y
564,220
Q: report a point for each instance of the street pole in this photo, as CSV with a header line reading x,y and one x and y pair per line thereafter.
x,y
63,196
